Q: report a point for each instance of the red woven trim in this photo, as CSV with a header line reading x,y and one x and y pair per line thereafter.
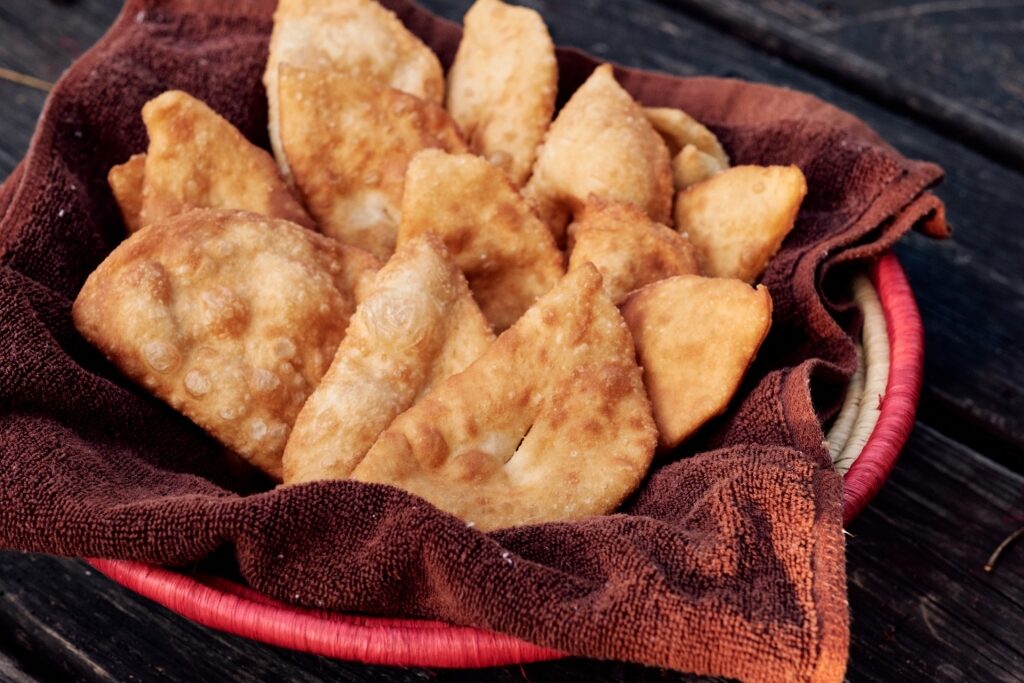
x,y
370,640
899,404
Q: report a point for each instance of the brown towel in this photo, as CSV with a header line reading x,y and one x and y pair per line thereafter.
x,y
729,562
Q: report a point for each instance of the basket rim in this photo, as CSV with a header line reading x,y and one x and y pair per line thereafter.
x,y
227,606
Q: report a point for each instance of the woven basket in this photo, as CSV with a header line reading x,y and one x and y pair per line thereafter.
x,y
864,441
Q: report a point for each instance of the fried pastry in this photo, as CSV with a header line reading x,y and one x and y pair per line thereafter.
x,y
230,317
502,85
695,338
359,38
198,160
601,143
126,182
628,248
550,424
418,326
679,129
738,219
692,166
505,251
348,143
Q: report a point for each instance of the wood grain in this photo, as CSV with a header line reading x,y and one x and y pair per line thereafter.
x,y
955,66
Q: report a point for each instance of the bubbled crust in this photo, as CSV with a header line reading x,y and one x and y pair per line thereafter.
x,y
491,232
600,144
551,423
695,337
348,143
628,248
503,83
197,160
230,317
416,328
356,37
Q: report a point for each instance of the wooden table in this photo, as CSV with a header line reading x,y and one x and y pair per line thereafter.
x,y
942,81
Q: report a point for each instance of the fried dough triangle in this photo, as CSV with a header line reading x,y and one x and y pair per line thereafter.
x,y
418,326
601,143
679,129
230,317
492,234
737,219
695,338
628,248
551,423
348,143
359,38
126,182
198,160
503,83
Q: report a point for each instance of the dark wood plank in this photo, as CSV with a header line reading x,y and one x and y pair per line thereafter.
x,y
955,65
979,271
12,671
923,607
72,622
41,39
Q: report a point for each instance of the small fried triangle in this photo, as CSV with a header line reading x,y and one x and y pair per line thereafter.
x,y
692,166
492,234
737,219
230,317
679,129
126,182
418,326
502,85
601,143
198,160
628,248
695,338
348,143
550,424
359,38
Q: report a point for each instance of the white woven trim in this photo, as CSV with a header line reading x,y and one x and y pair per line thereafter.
x,y
866,395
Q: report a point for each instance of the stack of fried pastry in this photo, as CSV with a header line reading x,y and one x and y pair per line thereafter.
x,y
437,284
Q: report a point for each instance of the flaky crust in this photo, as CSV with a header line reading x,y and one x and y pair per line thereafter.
x,y
126,182
359,38
550,424
738,219
492,233
600,144
695,338
197,160
418,326
348,143
503,83
628,248
230,317
679,129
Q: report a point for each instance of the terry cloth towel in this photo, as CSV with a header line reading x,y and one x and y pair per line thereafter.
x,y
728,560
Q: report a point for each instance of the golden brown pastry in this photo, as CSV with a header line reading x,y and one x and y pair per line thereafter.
x,y
348,143
126,182
737,220
230,317
695,338
679,129
550,424
198,160
492,234
502,85
601,143
358,38
628,248
418,326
